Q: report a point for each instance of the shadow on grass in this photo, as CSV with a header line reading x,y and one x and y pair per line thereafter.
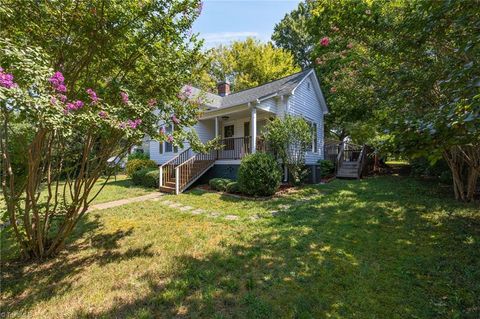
x,y
378,248
28,283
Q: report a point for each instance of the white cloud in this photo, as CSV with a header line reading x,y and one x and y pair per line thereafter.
x,y
214,39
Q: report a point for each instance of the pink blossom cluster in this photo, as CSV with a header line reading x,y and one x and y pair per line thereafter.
x,y
103,114
170,138
133,124
124,96
6,80
57,81
175,119
93,96
152,103
325,41
73,106
185,94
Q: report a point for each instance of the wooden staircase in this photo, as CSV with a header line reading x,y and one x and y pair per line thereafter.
x,y
351,161
183,170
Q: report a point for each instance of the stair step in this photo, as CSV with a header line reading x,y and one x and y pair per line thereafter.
x,y
166,189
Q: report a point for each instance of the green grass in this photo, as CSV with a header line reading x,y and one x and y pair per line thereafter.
x,y
385,247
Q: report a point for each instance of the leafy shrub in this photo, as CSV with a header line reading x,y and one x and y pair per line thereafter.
x,y
138,155
219,184
259,174
233,187
147,177
138,164
327,168
423,167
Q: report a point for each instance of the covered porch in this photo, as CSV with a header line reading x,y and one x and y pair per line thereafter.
x,y
240,130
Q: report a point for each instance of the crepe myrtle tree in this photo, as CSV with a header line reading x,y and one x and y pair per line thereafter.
x,y
48,175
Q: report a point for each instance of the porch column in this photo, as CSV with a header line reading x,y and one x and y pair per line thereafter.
x,y
216,126
254,129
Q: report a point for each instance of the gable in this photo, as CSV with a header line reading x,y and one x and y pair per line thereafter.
x,y
310,85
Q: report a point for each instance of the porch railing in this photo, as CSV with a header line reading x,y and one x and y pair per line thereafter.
x,y
167,170
238,147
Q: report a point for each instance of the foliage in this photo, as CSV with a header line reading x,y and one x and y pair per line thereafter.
x,y
403,75
249,63
233,187
137,155
116,62
147,177
138,164
290,138
259,175
327,168
291,34
219,184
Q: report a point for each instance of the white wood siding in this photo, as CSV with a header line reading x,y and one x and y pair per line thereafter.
x,y
205,130
305,103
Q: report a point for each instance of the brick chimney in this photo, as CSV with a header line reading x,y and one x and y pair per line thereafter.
x,y
223,88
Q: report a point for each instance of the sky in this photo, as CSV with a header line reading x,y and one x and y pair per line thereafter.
x,y
223,21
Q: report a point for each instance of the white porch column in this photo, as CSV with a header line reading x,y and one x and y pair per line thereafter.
x,y
216,126
253,122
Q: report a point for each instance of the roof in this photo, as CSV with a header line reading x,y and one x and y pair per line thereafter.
x,y
278,87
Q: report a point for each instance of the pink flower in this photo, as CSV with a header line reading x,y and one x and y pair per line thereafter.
x,y
152,103
124,96
78,104
350,45
170,138
103,114
93,96
333,89
134,124
175,119
62,98
53,100
325,41
6,80
122,125
57,80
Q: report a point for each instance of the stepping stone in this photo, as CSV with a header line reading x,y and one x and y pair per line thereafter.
x,y
167,202
275,213
185,208
231,217
254,217
175,205
284,206
214,215
198,211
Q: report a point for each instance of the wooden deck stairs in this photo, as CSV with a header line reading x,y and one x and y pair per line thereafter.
x,y
183,170
351,161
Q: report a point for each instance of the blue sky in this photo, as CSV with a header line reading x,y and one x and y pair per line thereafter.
x,y
223,21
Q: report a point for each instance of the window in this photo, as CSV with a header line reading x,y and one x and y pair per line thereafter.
x,y
169,146
228,132
314,131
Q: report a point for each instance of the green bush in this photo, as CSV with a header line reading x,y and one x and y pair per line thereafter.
x,y
138,155
147,177
138,164
259,175
326,168
219,184
233,187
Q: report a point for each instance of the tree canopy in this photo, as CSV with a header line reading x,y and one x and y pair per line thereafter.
x,y
249,63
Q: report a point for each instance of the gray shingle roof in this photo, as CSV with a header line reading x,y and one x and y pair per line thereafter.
x,y
279,87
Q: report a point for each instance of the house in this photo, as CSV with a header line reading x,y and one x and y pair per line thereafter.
x,y
239,119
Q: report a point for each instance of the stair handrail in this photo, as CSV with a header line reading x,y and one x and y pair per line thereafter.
x,y
339,157
170,164
361,161
181,180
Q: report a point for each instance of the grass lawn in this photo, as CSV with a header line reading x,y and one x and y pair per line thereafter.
x,y
384,247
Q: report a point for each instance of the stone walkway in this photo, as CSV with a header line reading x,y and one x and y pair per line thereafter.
x,y
125,201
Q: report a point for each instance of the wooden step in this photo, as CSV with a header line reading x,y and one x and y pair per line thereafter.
x,y
166,189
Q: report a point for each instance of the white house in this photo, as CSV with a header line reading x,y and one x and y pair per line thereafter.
x,y
239,119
